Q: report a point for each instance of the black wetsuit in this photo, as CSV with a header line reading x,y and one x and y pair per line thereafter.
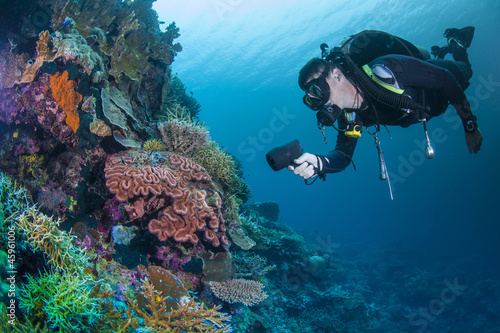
x,y
434,83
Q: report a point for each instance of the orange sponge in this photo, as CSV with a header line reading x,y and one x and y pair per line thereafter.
x,y
66,97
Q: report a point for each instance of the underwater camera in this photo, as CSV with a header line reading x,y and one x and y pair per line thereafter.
x,y
283,156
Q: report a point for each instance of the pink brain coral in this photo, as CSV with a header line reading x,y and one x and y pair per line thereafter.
x,y
174,192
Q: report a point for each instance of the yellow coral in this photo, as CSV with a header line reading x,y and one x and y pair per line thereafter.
x,y
99,128
43,233
216,161
65,95
154,145
30,165
42,49
190,316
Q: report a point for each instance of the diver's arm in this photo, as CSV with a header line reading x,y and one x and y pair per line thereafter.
x,y
309,165
339,158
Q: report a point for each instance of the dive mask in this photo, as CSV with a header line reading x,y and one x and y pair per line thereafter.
x,y
317,93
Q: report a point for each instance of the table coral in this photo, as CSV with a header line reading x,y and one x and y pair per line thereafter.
x,y
65,95
180,199
248,292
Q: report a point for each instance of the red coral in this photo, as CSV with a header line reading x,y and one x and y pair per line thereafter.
x,y
173,192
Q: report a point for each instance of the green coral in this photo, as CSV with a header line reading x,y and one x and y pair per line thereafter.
x,y
4,268
177,97
72,46
271,235
223,169
218,163
13,201
13,325
61,300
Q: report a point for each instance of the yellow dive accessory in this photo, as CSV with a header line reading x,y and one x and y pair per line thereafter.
x,y
353,129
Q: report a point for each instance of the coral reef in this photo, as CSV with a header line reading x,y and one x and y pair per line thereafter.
x,y
8,324
181,137
244,291
179,104
14,200
62,301
216,161
168,285
67,98
175,190
154,145
190,316
42,233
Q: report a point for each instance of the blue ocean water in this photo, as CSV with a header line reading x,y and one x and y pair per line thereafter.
x,y
241,61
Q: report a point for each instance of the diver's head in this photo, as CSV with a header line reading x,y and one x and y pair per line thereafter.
x,y
316,78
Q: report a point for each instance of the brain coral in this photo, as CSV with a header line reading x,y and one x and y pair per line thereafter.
x,y
179,197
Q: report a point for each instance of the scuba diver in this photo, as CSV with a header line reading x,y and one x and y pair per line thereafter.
x,y
376,79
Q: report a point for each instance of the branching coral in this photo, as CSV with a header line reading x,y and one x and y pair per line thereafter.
x,y
65,95
43,233
155,316
218,163
250,265
62,300
14,199
181,136
173,189
248,292
178,98
154,145
13,325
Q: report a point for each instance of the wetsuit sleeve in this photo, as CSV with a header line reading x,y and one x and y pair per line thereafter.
x,y
339,158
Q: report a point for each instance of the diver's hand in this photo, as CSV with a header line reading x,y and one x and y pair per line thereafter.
x,y
473,140
307,165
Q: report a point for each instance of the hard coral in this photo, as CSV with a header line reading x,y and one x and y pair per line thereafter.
x,y
182,136
218,163
178,195
154,145
63,301
66,97
248,292
42,233
188,316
